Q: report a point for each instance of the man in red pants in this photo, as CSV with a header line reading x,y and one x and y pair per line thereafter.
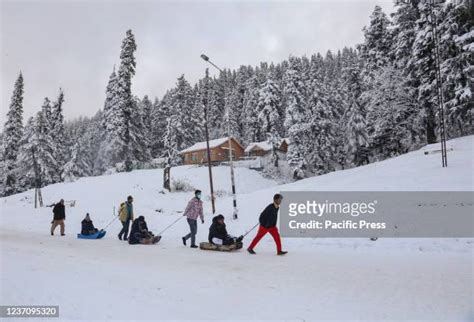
x,y
268,221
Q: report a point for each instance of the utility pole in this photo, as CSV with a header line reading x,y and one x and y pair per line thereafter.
x,y
231,162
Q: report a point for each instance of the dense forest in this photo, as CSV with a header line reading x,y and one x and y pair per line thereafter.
x,y
338,109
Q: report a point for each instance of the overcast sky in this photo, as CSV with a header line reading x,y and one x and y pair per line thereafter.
x,y
75,44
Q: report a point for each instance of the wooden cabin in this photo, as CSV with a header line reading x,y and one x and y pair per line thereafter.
x,y
197,153
260,149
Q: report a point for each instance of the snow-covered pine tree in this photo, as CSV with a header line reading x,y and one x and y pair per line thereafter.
x,y
296,118
138,144
11,138
424,65
377,47
145,109
60,150
404,24
356,128
124,110
80,163
250,124
160,114
231,121
393,114
25,165
323,121
171,140
268,106
457,55
183,106
109,124
45,148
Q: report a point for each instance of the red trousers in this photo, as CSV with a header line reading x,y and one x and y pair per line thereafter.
x,y
262,231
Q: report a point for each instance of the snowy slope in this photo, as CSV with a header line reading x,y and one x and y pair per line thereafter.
x,y
337,279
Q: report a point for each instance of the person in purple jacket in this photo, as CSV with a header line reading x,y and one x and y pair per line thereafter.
x,y
192,212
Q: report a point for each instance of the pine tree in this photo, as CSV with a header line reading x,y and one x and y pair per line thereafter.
x,y
356,130
392,112
231,122
171,141
12,134
45,147
423,60
377,47
28,144
296,117
57,135
250,124
457,54
268,106
183,105
323,122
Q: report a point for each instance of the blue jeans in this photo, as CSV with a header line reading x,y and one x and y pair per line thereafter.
x,y
124,232
194,228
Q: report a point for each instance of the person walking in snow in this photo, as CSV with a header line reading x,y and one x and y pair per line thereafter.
x,y
192,212
59,216
268,220
125,216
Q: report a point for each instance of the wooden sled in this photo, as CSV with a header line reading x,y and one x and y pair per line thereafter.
x,y
220,248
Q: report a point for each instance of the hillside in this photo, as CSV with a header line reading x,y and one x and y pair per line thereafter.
x,y
323,278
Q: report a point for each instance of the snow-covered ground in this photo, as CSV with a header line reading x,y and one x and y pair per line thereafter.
x,y
333,279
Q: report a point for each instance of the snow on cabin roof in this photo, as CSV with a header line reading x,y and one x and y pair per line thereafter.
x,y
203,145
265,146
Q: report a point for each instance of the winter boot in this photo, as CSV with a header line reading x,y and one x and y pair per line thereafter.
x,y
282,252
251,251
184,241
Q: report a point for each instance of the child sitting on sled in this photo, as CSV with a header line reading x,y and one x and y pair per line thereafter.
x,y
88,226
140,233
218,233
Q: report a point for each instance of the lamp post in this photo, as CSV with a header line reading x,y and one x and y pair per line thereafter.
x,y
209,165
231,162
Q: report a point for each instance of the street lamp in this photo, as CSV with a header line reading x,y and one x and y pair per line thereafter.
x,y
232,178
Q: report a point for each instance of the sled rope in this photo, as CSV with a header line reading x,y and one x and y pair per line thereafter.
x,y
250,230
174,222
110,223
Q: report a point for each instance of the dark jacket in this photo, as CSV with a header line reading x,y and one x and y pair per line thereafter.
x,y
139,231
59,211
217,230
87,227
268,217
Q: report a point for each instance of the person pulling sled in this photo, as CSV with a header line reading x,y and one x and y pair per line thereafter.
x,y
140,233
192,212
268,220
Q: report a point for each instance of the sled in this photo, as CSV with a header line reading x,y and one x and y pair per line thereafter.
x,y
97,235
220,248
148,241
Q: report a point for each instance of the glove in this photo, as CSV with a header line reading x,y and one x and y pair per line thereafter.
x,y
202,221
240,238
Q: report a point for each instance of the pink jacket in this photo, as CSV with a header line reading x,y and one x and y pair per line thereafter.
x,y
194,209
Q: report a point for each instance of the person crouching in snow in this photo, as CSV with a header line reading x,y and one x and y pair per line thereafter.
x,y
192,212
88,226
140,233
268,220
218,233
